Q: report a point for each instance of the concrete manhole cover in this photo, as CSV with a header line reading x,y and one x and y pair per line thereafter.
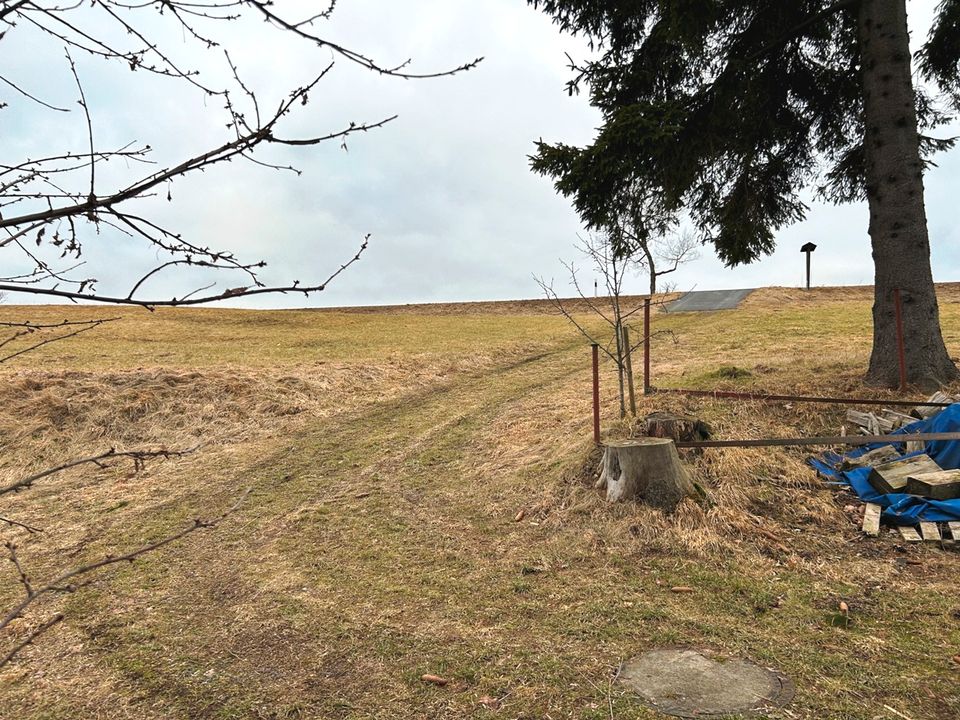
x,y
696,683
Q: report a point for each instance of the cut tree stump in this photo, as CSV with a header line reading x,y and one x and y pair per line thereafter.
x,y
647,469
676,427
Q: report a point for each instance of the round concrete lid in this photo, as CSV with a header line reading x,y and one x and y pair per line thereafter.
x,y
696,683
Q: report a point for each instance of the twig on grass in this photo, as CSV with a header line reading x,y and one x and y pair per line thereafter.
x,y
64,582
897,712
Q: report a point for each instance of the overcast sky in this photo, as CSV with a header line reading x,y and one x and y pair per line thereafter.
x,y
445,190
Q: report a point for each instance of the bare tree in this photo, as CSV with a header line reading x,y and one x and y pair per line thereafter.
x,y
641,227
52,205
665,254
613,265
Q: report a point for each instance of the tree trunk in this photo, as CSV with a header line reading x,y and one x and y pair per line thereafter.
x,y
898,222
623,403
646,469
676,427
651,265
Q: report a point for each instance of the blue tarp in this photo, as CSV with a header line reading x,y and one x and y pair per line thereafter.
x,y
900,508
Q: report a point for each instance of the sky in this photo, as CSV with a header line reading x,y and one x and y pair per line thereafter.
x,y
444,190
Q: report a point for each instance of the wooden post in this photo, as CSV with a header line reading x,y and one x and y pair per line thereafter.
x,y
646,346
901,356
596,393
627,357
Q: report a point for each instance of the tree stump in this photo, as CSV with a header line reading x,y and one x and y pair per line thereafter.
x,y
646,469
676,427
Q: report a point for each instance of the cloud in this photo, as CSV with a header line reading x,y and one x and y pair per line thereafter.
x,y
445,189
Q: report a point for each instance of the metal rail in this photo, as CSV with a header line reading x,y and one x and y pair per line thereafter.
x,y
764,397
822,440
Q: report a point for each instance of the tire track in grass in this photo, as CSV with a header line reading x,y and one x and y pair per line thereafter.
x,y
314,562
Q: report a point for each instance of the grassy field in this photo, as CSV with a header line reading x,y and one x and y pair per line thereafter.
x,y
391,453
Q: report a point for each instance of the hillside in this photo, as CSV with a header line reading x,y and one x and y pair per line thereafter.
x,y
422,503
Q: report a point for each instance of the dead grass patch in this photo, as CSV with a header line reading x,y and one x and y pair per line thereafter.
x,y
423,504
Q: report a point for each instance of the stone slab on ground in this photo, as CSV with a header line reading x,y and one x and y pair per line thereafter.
x,y
690,683
700,300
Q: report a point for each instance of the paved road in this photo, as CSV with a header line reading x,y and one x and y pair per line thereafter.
x,y
700,300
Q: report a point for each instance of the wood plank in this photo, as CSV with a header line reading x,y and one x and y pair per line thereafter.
x,y
898,418
909,534
860,419
930,531
954,530
892,476
925,411
871,519
880,456
885,425
943,485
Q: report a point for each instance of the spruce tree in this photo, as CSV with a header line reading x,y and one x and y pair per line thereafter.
x,y
729,109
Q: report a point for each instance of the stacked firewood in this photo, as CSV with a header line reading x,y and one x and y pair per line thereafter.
x,y
868,423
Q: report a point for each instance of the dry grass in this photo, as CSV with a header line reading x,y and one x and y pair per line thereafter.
x,y
390,454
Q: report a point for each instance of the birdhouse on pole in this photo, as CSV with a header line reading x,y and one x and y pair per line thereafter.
x,y
808,248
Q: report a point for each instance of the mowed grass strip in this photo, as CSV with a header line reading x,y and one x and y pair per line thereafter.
x,y
381,541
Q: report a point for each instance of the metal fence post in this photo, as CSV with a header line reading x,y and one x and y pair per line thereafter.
x,y
646,346
596,394
901,354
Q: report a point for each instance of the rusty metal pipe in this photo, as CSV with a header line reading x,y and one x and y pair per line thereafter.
x,y
763,397
596,394
646,347
822,440
901,354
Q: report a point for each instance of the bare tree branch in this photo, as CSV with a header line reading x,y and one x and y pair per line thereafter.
x,y
552,296
21,574
237,292
51,205
15,523
33,635
41,198
138,457
612,259
64,582
398,71
84,326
